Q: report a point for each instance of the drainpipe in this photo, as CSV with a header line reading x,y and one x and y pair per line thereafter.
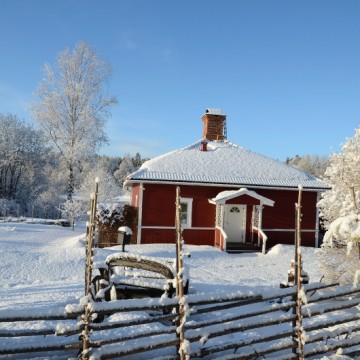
x,y
138,240
317,221
260,221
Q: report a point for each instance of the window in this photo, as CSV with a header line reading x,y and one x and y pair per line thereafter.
x,y
185,212
234,210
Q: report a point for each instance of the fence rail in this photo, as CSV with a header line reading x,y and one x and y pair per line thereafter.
x,y
210,318
298,322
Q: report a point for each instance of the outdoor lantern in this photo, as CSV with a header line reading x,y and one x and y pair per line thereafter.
x,y
124,236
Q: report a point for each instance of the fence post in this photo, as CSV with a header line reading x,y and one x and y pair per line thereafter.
x,y
180,331
300,288
90,232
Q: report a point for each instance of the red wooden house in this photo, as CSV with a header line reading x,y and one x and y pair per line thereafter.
x,y
231,197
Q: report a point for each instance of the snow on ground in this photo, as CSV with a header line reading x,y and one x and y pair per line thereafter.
x,y
40,264
214,270
45,263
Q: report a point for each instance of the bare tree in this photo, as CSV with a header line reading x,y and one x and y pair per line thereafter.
x,y
73,107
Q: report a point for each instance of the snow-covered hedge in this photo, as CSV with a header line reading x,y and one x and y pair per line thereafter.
x,y
110,217
109,214
339,254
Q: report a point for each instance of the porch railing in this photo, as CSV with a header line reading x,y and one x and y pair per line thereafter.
x,y
261,236
223,238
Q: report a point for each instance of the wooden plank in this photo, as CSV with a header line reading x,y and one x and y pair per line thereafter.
x,y
143,264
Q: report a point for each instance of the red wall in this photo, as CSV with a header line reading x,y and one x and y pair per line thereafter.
x,y
159,205
159,210
282,215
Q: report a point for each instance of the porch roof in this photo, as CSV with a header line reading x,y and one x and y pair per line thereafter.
x,y
224,196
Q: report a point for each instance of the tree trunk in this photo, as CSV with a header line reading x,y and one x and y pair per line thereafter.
x,y
71,183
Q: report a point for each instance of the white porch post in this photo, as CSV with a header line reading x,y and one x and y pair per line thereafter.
x,y
222,224
138,239
260,221
317,222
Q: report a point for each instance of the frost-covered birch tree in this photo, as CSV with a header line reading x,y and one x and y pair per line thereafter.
x,y
73,106
108,189
340,211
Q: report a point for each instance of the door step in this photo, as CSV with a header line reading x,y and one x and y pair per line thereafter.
x,y
241,248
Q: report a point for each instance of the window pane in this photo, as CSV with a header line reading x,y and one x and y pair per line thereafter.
x,y
183,213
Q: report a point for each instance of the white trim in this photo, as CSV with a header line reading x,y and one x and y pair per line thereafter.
x,y
188,202
265,238
173,227
260,230
214,228
224,196
159,227
138,240
317,221
224,235
290,230
201,228
295,188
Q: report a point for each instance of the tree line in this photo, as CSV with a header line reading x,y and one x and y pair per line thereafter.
x,y
34,177
312,164
72,106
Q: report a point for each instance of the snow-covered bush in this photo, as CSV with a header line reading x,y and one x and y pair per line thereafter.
x,y
7,207
108,189
109,214
71,210
340,212
110,217
343,175
337,263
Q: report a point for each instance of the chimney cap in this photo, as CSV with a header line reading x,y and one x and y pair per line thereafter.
x,y
214,112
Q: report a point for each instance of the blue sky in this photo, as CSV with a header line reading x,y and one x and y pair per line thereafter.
x,y
286,73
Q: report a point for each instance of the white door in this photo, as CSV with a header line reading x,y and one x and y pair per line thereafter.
x,y
235,223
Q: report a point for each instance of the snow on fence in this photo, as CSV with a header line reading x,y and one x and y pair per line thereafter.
x,y
233,326
288,323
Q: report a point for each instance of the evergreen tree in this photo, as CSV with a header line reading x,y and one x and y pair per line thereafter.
x,y
126,167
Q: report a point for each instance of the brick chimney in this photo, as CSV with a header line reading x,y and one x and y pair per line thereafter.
x,y
214,124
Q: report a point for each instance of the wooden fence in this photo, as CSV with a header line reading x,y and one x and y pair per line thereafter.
x,y
233,326
303,321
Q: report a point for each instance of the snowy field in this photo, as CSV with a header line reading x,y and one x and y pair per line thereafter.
x,y
43,265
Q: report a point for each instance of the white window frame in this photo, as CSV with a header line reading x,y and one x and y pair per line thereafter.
x,y
188,202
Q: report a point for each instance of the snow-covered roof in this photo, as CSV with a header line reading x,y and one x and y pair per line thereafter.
x,y
223,163
224,196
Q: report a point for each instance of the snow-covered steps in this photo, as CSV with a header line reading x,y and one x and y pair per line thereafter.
x,y
237,247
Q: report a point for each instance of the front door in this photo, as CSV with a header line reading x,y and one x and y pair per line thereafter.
x,y
235,223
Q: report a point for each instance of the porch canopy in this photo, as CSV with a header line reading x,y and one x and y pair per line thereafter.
x,y
224,196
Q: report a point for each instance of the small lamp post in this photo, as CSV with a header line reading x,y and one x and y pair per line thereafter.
x,y
124,236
